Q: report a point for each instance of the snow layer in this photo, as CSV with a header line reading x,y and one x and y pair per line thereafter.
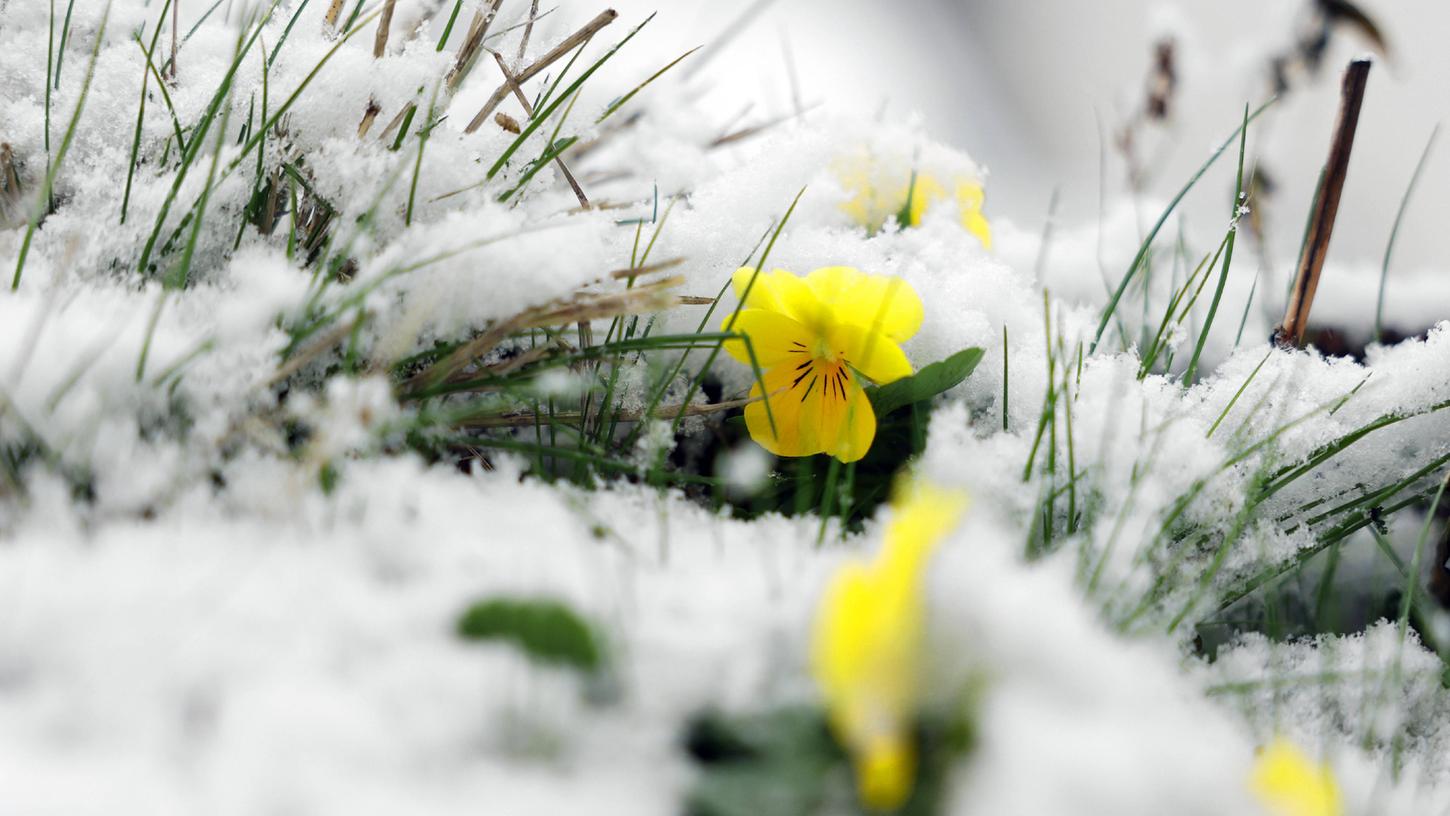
x,y
191,623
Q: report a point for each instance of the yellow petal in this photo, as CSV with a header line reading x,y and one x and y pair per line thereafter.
x,y
923,192
923,514
870,203
773,337
1289,784
882,304
874,355
776,291
970,197
884,774
795,396
830,283
851,438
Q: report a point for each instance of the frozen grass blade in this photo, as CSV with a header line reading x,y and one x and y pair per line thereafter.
x,y
43,197
1237,394
1379,309
1228,255
141,110
193,148
448,27
623,100
64,38
1153,233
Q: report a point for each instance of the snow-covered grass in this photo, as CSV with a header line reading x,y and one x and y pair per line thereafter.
x,y
298,363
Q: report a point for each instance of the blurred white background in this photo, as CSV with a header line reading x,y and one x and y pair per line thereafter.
x,y
1030,89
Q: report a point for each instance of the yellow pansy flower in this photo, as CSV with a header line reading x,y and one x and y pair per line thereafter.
x,y
1288,783
866,653
970,197
872,203
815,338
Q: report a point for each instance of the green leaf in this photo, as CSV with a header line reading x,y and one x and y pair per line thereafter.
x,y
924,384
546,630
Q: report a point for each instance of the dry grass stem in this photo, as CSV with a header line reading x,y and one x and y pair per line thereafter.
x,y
385,23
568,44
1290,333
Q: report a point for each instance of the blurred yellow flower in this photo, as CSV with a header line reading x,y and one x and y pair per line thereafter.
x,y
866,653
970,197
872,204
1288,783
815,339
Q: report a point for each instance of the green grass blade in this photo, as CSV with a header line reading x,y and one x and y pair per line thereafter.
x,y
1163,219
43,198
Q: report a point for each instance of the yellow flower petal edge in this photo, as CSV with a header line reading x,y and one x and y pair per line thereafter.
x,y
872,206
815,339
1288,783
866,650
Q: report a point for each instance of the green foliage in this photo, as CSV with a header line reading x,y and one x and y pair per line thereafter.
x,y
784,762
931,380
546,630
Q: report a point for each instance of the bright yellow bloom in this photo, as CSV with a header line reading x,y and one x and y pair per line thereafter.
x,y
1288,783
866,653
872,203
815,338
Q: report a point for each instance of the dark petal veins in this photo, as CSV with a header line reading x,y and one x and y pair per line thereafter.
x,y
807,392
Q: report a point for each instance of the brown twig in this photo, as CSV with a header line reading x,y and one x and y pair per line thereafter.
x,y
1290,333
329,20
9,183
649,297
528,30
385,22
636,271
396,121
569,44
477,30
371,113
512,83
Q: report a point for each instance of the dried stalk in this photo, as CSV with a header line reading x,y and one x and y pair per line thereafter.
x,y
469,50
369,115
396,121
569,44
333,11
171,64
9,183
385,22
512,83
528,30
636,271
1290,333
322,344
641,299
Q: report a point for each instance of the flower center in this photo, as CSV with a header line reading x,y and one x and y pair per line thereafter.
x,y
823,368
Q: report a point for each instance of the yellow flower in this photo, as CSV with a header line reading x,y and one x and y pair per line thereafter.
x,y
970,197
815,338
866,652
872,204
1288,783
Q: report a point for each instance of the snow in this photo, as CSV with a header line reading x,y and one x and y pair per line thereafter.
x,y
198,614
